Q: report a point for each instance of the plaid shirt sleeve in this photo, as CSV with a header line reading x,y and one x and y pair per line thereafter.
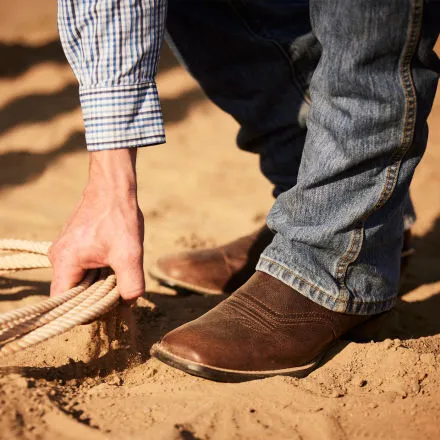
x,y
113,48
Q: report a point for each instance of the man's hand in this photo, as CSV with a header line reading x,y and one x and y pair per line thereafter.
x,y
106,229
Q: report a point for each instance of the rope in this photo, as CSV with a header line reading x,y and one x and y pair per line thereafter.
x,y
35,247
30,325
23,261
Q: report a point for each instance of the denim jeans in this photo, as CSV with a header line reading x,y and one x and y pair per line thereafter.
x,y
342,182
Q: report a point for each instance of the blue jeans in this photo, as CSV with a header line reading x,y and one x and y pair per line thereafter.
x,y
342,182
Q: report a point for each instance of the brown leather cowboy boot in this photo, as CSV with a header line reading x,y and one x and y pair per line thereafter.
x,y
224,269
264,329
213,271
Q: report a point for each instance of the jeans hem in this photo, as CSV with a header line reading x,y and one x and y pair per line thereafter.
x,y
317,294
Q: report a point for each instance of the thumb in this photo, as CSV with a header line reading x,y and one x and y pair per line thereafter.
x,y
130,280
65,276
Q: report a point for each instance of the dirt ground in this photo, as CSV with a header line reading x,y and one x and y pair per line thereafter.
x,y
197,190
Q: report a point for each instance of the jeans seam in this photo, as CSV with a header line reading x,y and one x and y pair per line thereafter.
x,y
285,55
408,87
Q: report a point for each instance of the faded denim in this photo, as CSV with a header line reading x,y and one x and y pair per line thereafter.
x,y
339,230
341,188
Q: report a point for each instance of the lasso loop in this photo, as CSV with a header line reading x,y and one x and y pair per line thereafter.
x,y
30,325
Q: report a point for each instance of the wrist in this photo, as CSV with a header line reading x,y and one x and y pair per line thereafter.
x,y
113,170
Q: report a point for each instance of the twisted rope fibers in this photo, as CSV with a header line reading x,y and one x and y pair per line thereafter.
x,y
30,325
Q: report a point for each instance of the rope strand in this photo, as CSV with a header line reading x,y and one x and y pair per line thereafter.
x,y
31,325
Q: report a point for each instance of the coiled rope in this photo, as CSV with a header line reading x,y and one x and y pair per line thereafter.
x,y
30,325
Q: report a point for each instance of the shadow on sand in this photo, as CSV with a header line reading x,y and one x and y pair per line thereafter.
x,y
18,58
19,167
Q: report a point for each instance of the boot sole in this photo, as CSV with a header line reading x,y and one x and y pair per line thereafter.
x,y
174,283
226,375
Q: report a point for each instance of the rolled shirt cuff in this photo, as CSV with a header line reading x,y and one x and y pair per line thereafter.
x,y
122,116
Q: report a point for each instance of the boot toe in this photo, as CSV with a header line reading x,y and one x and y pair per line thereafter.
x,y
180,343
201,272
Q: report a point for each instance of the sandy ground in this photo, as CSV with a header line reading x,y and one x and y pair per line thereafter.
x,y
197,190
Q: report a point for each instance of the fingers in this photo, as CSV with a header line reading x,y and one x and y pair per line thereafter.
x,y
66,274
130,277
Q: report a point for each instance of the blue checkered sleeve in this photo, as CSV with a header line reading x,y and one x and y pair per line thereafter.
x,y
113,48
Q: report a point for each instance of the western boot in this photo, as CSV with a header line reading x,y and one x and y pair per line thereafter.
x,y
265,328
213,271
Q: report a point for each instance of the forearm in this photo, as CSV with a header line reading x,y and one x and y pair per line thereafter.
x,y
118,93
121,112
